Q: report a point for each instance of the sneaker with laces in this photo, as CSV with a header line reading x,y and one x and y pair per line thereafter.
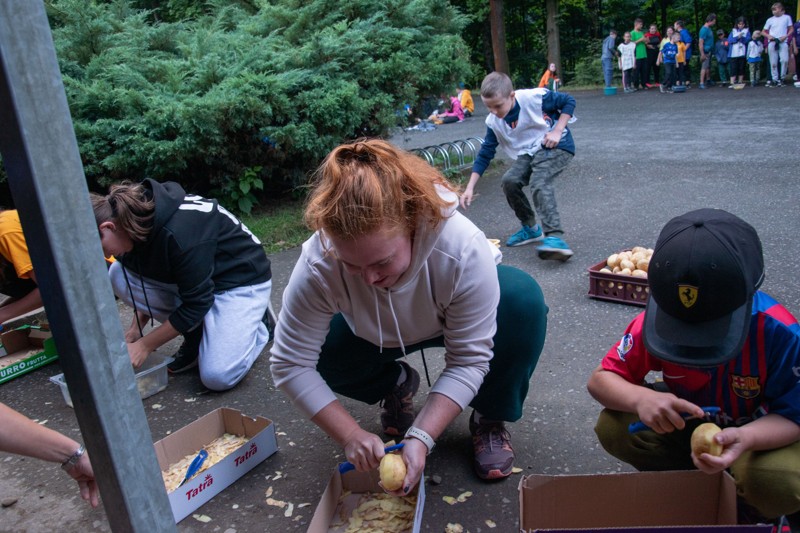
x,y
525,236
554,248
186,356
491,442
398,406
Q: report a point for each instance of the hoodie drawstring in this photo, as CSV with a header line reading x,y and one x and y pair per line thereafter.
x,y
397,329
133,300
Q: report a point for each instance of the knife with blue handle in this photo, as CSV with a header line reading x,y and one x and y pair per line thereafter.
x,y
348,466
636,427
197,462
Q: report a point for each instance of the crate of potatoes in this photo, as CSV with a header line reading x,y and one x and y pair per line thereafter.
x,y
622,277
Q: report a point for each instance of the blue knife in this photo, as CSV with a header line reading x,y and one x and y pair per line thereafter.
x,y
197,462
636,427
348,466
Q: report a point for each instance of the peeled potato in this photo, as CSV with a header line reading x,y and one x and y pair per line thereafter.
x,y
613,260
703,440
626,271
643,264
392,471
627,263
639,273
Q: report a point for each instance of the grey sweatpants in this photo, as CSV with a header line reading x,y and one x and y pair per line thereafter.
x,y
539,171
233,332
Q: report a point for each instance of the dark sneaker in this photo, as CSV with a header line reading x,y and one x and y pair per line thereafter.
x,y
554,248
526,235
398,406
270,320
186,356
491,442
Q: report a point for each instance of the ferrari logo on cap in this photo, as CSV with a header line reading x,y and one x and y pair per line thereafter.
x,y
687,295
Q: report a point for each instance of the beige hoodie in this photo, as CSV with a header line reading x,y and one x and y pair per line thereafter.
x,y
449,289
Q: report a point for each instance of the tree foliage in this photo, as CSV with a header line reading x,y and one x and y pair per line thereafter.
x,y
211,93
582,24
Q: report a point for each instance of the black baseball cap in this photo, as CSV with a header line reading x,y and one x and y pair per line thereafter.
x,y
706,266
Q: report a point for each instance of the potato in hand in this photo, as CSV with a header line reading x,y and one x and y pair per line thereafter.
x,y
703,440
392,471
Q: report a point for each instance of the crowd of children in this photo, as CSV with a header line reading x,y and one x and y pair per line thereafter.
x,y
641,56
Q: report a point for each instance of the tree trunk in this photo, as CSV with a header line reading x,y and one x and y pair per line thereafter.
x,y
498,36
553,42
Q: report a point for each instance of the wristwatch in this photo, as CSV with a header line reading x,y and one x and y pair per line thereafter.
x,y
420,435
73,459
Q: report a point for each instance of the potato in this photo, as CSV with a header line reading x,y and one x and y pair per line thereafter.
x,y
644,264
637,256
639,273
392,471
703,440
626,272
613,260
625,263
637,249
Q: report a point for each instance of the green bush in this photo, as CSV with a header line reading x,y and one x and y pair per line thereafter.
x,y
244,90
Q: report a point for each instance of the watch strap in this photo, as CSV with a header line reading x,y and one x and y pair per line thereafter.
x,y
421,435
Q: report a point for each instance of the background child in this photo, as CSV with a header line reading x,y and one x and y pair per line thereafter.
x,y
721,53
609,51
627,61
667,56
652,43
737,50
549,79
640,72
777,30
681,60
465,98
754,50
531,126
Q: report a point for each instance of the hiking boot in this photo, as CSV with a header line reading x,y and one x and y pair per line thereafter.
x,y
525,236
186,356
554,248
398,406
491,442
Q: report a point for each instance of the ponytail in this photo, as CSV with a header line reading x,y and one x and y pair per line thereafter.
x,y
128,207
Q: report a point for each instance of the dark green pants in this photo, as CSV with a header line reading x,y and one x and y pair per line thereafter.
x,y
767,480
357,369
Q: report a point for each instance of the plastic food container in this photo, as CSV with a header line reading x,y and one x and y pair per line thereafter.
x,y
150,379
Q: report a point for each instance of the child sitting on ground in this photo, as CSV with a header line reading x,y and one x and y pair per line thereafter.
x,y
549,79
453,114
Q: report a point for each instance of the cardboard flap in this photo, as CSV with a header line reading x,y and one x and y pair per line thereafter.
x,y
626,500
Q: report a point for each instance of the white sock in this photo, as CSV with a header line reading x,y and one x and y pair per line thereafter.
x,y
403,375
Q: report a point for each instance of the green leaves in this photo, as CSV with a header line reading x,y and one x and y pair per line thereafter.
x,y
243,85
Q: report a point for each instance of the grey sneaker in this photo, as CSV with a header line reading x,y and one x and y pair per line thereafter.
x,y
491,442
398,406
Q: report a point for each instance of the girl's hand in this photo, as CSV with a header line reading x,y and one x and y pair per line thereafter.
x,y
414,455
364,450
466,197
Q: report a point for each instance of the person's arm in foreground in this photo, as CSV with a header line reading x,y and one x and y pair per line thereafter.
x,y
767,433
365,449
29,302
23,436
661,411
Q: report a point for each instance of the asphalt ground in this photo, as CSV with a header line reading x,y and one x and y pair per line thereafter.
x,y
641,160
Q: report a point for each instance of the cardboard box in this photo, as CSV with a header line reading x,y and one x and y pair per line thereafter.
x,y
641,501
27,348
357,483
190,439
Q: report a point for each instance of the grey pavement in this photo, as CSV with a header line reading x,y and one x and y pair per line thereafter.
x,y
642,159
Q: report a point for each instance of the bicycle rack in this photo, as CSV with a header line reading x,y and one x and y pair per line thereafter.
x,y
455,155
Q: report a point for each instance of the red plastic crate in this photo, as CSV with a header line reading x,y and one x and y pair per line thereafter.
x,y
616,287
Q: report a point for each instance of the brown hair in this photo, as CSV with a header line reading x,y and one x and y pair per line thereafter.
x,y
497,85
365,184
128,207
